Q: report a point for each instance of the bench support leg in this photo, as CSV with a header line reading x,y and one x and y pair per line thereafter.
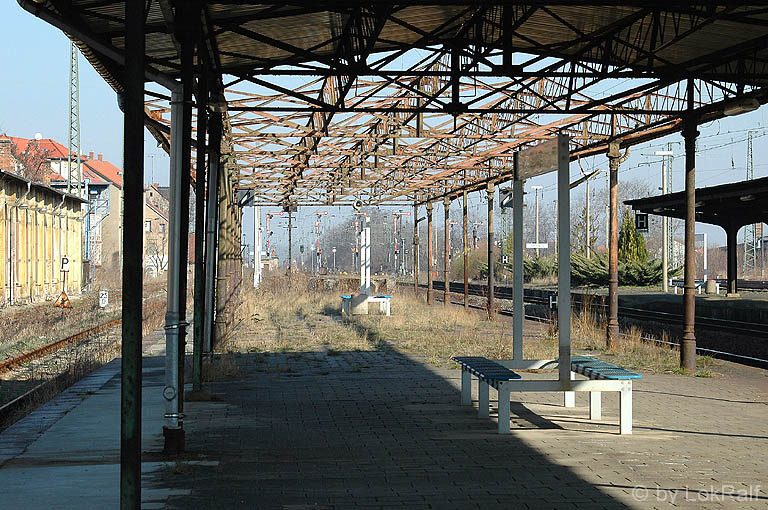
x,y
483,402
595,405
625,409
466,388
503,410
569,397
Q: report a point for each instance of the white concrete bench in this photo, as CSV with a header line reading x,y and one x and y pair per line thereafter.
x,y
383,302
699,284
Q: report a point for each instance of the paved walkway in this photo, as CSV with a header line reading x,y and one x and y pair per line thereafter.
x,y
384,430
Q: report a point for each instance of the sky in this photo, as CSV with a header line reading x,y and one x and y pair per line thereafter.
x,y
34,92
34,99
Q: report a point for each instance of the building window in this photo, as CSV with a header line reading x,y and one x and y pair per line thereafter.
x,y
147,226
162,228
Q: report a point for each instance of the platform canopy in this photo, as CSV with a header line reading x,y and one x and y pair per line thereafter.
x,y
406,102
728,205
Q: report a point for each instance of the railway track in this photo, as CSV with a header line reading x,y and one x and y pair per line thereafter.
x,y
16,362
61,363
750,329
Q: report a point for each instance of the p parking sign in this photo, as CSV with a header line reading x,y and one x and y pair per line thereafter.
x,y
64,264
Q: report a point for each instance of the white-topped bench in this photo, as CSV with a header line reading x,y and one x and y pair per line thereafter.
x,y
600,376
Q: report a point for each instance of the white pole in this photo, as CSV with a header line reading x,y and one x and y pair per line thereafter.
x,y
367,260
256,246
588,246
705,257
665,230
537,222
362,261
664,222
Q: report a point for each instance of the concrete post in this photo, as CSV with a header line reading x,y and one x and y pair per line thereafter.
x,y
564,264
132,235
517,269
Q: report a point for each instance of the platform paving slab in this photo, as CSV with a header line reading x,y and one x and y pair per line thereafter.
x,y
384,430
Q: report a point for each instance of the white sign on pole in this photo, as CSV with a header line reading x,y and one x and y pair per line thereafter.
x,y
103,298
65,264
537,246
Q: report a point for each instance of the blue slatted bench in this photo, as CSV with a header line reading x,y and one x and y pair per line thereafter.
x,y
488,373
600,370
602,375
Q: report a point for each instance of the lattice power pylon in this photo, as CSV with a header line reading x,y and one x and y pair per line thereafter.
x,y
750,232
74,179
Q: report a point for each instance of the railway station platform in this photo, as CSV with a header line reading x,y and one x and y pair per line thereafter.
x,y
381,429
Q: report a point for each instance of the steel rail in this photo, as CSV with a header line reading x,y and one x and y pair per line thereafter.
x,y
15,362
10,364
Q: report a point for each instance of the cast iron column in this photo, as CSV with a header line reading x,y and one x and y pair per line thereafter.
x,y
133,205
731,245
447,250
490,191
615,159
199,299
466,251
187,37
688,343
430,255
211,240
181,113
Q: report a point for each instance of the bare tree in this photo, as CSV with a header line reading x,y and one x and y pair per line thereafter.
x,y
32,162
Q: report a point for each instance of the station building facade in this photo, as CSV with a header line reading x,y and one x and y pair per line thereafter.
x,y
39,227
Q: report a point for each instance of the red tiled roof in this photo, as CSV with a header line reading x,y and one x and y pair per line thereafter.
x,y
97,170
53,148
105,169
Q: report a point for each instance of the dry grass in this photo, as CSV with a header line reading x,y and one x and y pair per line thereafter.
x,y
33,326
634,351
284,317
437,332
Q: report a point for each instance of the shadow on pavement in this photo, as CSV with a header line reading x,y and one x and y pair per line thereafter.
x,y
360,429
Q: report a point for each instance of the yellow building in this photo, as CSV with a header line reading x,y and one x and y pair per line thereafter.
x,y
39,228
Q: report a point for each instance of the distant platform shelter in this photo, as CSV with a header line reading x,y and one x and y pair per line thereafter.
x,y
730,206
